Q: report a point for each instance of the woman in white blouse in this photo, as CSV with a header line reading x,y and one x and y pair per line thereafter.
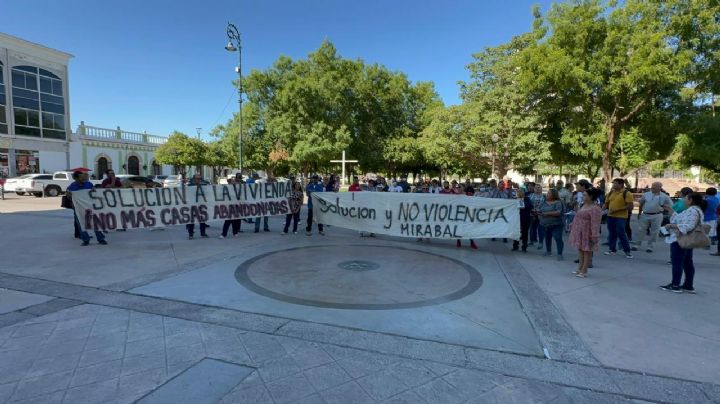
x,y
682,259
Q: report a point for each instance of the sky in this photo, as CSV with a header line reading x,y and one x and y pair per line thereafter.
x,y
160,65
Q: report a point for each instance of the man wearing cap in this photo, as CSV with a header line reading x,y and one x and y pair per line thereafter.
x,y
652,206
314,186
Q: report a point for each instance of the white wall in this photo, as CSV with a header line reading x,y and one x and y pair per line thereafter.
x,y
52,161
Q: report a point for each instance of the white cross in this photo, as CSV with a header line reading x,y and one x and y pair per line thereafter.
x,y
343,161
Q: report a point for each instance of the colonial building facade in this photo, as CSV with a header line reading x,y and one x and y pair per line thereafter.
x,y
100,149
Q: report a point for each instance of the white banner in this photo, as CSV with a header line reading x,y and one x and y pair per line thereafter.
x,y
419,215
123,208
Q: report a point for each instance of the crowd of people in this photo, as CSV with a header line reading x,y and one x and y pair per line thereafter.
x,y
546,216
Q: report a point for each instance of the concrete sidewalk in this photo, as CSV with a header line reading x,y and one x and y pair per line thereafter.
x,y
133,320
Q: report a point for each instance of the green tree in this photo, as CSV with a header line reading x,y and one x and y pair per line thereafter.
x,y
181,151
606,60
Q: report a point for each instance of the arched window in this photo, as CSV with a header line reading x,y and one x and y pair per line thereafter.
x,y
38,103
102,167
3,103
133,165
156,168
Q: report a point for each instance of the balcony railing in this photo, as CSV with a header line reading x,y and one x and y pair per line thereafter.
x,y
118,135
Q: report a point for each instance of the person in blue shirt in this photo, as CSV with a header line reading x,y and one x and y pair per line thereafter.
x,y
81,182
314,186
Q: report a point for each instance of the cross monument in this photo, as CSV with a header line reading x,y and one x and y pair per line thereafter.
x,y
343,161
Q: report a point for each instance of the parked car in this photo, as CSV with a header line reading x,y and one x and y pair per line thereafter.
x,y
137,181
11,184
172,181
53,186
158,178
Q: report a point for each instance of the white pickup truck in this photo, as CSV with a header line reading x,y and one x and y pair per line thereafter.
x,y
51,187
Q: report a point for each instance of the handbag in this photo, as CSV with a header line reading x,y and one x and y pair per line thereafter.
x,y
66,202
695,238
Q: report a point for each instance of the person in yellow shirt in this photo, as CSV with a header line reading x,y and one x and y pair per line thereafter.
x,y
618,203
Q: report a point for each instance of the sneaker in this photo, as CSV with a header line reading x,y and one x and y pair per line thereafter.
x,y
266,229
609,253
234,235
629,256
284,233
294,232
308,233
221,237
560,258
547,254
688,290
102,242
524,250
671,288
649,250
204,236
190,237
85,243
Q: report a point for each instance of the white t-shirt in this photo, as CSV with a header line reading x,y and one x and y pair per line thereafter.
x,y
395,188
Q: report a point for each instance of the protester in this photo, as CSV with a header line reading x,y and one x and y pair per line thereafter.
x,y
618,202
313,186
458,243
711,216
585,230
628,228
446,190
681,258
550,217
650,215
496,191
537,232
394,187
355,186
235,223
435,187
526,208
111,181
81,182
264,219
403,183
196,181
296,202
679,205
568,200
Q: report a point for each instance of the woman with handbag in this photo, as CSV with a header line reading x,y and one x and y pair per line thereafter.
x,y
686,232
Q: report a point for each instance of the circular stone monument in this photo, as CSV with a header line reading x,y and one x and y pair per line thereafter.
x,y
359,277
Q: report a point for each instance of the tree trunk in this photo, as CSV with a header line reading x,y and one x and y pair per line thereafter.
x,y
612,132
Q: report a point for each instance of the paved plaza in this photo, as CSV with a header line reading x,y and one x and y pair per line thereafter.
x,y
265,318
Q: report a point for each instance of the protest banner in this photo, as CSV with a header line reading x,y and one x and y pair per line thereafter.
x,y
419,215
122,208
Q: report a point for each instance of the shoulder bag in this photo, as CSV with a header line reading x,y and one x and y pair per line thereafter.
x,y
695,238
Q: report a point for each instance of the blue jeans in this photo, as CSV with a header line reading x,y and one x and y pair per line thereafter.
x,y
554,231
682,261
537,231
265,223
616,228
84,236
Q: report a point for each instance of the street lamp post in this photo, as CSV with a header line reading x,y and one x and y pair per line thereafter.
x,y
234,45
495,139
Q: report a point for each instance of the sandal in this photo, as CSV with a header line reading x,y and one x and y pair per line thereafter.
x,y
575,272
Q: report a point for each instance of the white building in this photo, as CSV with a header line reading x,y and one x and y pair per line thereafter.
x,y
35,132
100,149
34,108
